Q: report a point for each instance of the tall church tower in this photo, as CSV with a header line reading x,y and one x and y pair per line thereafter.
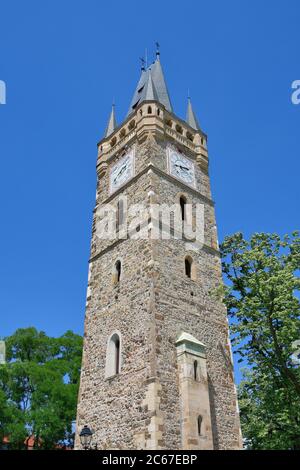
x,y
157,369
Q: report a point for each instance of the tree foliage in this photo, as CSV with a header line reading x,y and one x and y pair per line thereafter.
x,y
262,298
39,387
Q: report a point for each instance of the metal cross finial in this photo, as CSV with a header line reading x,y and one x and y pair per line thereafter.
x,y
157,50
142,63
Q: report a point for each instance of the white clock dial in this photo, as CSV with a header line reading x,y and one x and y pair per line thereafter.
x,y
121,172
181,167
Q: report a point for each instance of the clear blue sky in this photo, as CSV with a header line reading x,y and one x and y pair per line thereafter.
x,y
64,61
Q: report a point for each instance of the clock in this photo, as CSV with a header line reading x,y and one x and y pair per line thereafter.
x,y
121,172
181,167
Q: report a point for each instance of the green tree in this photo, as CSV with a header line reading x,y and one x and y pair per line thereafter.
x,y
262,298
39,387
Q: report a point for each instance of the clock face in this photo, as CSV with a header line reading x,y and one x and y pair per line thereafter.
x,y
121,172
181,167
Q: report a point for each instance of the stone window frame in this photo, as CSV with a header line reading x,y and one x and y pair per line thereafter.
x,y
196,366
188,200
116,277
111,369
180,197
199,425
192,263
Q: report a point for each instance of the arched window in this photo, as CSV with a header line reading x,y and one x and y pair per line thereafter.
x,y
158,112
113,356
149,110
182,202
199,423
118,270
188,266
195,370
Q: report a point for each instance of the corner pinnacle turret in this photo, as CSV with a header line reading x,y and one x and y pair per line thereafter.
x,y
112,123
191,118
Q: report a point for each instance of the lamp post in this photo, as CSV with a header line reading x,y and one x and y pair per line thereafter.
x,y
85,437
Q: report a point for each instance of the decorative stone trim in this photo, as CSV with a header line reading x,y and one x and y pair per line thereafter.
x,y
186,343
140,123
159,172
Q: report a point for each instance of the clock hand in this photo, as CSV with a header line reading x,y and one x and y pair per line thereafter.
x,y
120,173
182,167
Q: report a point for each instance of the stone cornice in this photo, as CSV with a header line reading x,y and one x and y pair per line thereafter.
x,y
159,122
206,248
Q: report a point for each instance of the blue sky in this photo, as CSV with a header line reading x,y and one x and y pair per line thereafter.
x,y
64,62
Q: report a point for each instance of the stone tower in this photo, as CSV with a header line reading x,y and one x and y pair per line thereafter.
x,y
157,367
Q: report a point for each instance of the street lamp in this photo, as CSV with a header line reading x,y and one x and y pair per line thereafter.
x,y
85,437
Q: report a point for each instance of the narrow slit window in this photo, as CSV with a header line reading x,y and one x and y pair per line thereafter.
x,y
195,370
182,202
188,267
117,355
199,423
118,271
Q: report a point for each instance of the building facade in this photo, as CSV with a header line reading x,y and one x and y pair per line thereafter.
x,y
157,369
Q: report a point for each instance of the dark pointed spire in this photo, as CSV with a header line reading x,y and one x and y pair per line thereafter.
x,y
149,92
112,123
191,118
158,85
137,94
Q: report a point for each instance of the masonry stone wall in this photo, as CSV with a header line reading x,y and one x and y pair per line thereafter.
x,y
186,305
151,305
111,405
